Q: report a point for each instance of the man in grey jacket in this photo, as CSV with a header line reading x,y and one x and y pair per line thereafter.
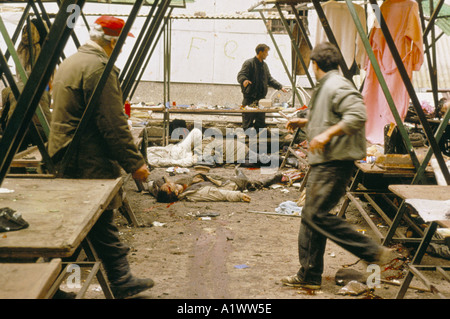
x,y
335,131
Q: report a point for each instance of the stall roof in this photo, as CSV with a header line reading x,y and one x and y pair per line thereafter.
x,y
443,18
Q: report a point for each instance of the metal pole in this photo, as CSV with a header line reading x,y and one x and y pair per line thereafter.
x,y
126,86
146,63
138,42
32,129
383,84
281,57
32,92
411,91
431,66
297,51
326,26
22,73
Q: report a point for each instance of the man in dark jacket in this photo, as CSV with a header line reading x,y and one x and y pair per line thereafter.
x,y
254,78
106,144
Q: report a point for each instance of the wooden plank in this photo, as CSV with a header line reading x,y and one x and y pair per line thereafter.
x,y
372,168
210,111
30,157
28,280
275,214
60,212
431,192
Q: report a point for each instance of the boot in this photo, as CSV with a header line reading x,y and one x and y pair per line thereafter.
x,y
123,284
130,287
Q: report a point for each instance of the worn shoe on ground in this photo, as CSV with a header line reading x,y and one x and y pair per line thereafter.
x,y
294,281
131,287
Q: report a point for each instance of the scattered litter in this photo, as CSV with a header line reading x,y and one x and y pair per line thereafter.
x,y
353,288
96,288
177,170
309,292
204,218
243,266
210,214
158,224
289,208
332,254
275,186
6,191
298,185
277,214
344,276
11,220
284,190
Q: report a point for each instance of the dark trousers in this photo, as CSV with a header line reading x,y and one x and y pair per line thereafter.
x,y
325,186
256,120
104,236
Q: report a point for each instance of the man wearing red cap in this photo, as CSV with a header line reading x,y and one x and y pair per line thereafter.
x,y
105,146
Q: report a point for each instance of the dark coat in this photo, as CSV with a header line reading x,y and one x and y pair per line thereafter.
x,y
258,73
107,143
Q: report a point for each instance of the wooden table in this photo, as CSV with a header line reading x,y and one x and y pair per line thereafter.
x,y
358,188
60,213
28,281
429,192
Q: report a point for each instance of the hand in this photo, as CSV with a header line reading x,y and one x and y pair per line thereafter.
x,y
141,174
445,107
284,90
246,83
296,123
318,143
246,198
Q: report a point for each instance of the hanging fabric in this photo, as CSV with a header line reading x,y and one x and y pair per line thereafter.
x,y
402,19
345,32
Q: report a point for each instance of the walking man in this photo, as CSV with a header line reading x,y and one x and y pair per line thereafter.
x,y
106,144
335,131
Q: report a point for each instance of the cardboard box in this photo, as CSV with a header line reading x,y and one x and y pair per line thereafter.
x,y
265,103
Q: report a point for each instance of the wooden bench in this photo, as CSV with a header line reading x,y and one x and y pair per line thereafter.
x,y
60,213
28,280
426,192
359,187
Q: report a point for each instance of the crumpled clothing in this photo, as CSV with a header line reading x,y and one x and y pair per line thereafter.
x,y
289,208
213,194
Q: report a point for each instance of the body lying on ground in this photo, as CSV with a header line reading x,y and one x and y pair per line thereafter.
x,y
195,149
207,187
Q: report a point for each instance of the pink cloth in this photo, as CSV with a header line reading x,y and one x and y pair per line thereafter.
x,y
402,19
